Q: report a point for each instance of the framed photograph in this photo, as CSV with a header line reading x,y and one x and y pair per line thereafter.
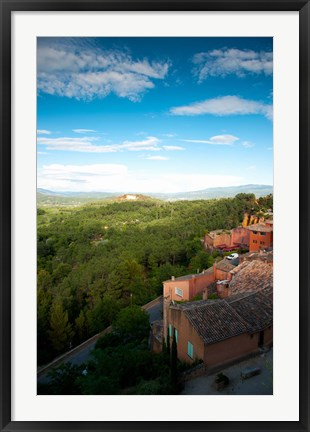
x,y
154,215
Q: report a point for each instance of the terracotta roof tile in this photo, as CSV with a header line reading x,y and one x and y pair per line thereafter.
x,y
225,265
215,321
260,227
256,309
256,276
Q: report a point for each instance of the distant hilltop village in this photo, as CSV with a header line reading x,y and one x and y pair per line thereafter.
x,y
133,197
254,234
233,317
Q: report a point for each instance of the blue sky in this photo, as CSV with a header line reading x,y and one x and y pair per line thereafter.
x,y
153,114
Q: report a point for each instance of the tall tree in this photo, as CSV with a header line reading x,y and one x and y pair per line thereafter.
x,y
168,344
132,323
61,333
174,364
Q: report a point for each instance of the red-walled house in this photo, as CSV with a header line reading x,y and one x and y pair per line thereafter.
x,y
261,236
221,331
184,288
222,239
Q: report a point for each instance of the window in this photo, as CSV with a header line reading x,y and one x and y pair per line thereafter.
x,y
263,233
176,335
170,330
254,241
179,292
254,232
261,242
190,350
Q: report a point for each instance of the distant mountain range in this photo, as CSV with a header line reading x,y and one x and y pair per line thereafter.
x,y
219,192
47,197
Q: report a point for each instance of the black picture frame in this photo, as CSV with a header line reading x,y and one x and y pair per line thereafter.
x,y
7,7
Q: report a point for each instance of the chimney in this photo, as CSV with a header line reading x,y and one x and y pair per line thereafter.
x,y
205,294
222,288
226,290
172,278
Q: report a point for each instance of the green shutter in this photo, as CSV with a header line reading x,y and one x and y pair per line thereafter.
x,y
190,350
170,330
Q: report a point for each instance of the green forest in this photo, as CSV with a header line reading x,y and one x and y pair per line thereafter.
x,y
99,260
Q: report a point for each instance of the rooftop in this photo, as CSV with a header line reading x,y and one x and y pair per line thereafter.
x,y
255,309
216,233
255,276
261,227
191,276
261,255
217,320
225,265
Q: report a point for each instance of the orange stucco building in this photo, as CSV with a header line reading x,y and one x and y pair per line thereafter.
x,y
223,239
261,236
221,331
184,288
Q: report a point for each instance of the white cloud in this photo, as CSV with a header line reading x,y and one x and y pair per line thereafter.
x,y
224,139
43,132
81,177
173,148
117,178
248,144
87,145
82,131
222,62
82,71
157,158
216,140
169,135
224,106
150,143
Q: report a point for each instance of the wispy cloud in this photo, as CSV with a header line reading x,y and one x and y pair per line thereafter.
x,y
216,140
157,158
222,62
43,132
248,144
86,72
82,131
88,145
118,178
224,106
80,177
172,148
150,143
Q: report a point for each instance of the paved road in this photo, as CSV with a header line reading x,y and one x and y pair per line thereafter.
x,y
156,312
261,384
81,355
